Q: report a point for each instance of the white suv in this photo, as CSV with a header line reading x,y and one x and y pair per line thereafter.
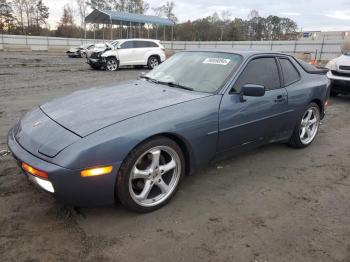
x,y
129,52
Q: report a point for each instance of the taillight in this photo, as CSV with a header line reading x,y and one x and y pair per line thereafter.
x,y
326,104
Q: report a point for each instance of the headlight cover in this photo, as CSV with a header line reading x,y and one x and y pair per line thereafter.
x,y
331,65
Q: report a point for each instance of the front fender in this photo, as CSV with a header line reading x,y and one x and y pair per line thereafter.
x,y
110,53
196,122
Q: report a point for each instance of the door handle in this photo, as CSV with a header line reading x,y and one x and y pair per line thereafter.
x,y
280,99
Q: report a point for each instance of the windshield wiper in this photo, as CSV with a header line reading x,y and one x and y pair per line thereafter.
x,y
150,79
177,85
171,84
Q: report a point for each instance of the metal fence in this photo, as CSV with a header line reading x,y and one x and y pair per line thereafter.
x,y
316,49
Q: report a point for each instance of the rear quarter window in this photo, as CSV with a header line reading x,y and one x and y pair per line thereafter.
x,y
152,44
290,73
145,44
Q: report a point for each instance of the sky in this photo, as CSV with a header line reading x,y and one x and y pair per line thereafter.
x,y
330,15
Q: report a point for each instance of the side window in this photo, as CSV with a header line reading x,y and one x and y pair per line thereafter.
x,y
260,71
127,44
141,44
290,73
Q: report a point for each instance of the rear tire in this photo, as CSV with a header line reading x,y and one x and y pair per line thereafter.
x,y
307,127
153,62
150,175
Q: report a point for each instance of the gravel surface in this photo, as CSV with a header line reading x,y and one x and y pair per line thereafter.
x,y
270,204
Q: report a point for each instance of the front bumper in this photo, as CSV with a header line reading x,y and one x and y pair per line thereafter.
x,y
69,187
339,83
97,62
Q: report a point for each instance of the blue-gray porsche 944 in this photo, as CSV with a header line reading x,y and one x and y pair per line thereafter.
x,y
134,141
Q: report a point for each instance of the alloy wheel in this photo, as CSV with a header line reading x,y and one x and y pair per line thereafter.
x,y
112,65
309,125
154,62
154,176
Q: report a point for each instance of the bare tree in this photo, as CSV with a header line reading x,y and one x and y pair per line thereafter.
x,y
18,6
226,15
82,8
29,7
166,10
253,13
41,14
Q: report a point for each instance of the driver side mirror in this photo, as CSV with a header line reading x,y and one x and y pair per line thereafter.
x,y
252,90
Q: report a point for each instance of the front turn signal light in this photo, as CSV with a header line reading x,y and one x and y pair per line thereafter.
x,y
98,171
35,172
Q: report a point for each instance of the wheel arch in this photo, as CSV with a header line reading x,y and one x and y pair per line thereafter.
x,y
182,143
113,56
155,55
320,105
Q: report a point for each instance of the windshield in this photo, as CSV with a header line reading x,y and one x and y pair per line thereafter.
x,y
197,71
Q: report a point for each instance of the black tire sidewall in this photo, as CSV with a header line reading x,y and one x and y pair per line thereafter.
x,y
122,185
149,61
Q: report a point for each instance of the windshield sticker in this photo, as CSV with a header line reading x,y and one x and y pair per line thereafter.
x,y
217,61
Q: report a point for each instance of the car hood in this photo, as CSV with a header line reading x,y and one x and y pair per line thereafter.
x,y
74,49
343,60
87,111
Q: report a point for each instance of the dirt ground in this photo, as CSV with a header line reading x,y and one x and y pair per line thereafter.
x,y
271,204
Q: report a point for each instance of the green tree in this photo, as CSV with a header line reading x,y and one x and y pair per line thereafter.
x,y
6,16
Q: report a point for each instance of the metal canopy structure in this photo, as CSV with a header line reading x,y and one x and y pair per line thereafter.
x,y
128,20
123,18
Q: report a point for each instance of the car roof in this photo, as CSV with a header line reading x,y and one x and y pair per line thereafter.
x,y
244,53
139,39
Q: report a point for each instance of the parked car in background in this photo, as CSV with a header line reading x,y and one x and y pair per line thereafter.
x,y
129,52
80,51
135,141
339,74
100,48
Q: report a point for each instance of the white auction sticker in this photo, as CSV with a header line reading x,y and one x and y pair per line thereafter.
x,y
217,61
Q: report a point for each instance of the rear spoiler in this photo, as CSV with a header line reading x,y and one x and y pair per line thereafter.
x,y
311,69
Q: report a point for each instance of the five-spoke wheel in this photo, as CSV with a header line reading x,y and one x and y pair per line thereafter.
x,y
153,62
306,130
151,175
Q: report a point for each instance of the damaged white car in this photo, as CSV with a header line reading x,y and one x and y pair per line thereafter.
x,y
129,52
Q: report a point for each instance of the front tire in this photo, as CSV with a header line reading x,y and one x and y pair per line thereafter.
x,y
151,175
307,127
112,64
